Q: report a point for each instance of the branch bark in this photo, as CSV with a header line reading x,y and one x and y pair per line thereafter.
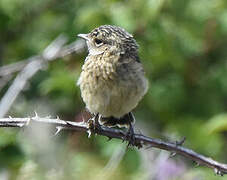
x,y
140,139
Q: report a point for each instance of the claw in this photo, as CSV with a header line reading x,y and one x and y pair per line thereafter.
x,y
96,122
130,136
90,125
93,124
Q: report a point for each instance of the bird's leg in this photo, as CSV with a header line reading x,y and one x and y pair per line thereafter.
x,y
94,122
130,135
97,126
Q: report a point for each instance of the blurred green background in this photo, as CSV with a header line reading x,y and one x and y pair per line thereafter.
x,y
183,46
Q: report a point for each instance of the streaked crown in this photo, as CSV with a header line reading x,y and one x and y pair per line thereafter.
x,y
107,36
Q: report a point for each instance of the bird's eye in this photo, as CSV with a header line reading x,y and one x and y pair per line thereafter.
x,y
98,42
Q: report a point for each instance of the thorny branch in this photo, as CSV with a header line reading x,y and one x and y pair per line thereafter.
x,y
141,140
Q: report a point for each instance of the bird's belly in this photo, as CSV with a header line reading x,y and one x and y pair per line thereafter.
x,y
110,97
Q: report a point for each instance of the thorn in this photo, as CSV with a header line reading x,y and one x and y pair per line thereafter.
x,y
181,142
123,139
89,133
58,118
28,122
172,154
128,145
10,117
48,117
59,128
197,164
142,143
21,125
36,115
138,144
67,122
218,172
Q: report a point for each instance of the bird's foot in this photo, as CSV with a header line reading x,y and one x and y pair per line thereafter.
x,y
93,123
130,136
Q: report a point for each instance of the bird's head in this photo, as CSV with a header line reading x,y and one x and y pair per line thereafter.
x,y
111,39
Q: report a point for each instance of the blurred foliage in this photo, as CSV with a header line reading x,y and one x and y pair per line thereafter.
x,y
183,49
217,124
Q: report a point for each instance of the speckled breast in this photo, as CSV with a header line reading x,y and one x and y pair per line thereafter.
x,y
107,92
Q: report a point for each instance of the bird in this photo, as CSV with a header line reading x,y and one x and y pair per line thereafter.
x,y
112,81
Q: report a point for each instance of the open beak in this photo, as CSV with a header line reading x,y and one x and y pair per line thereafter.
x,y
84,36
